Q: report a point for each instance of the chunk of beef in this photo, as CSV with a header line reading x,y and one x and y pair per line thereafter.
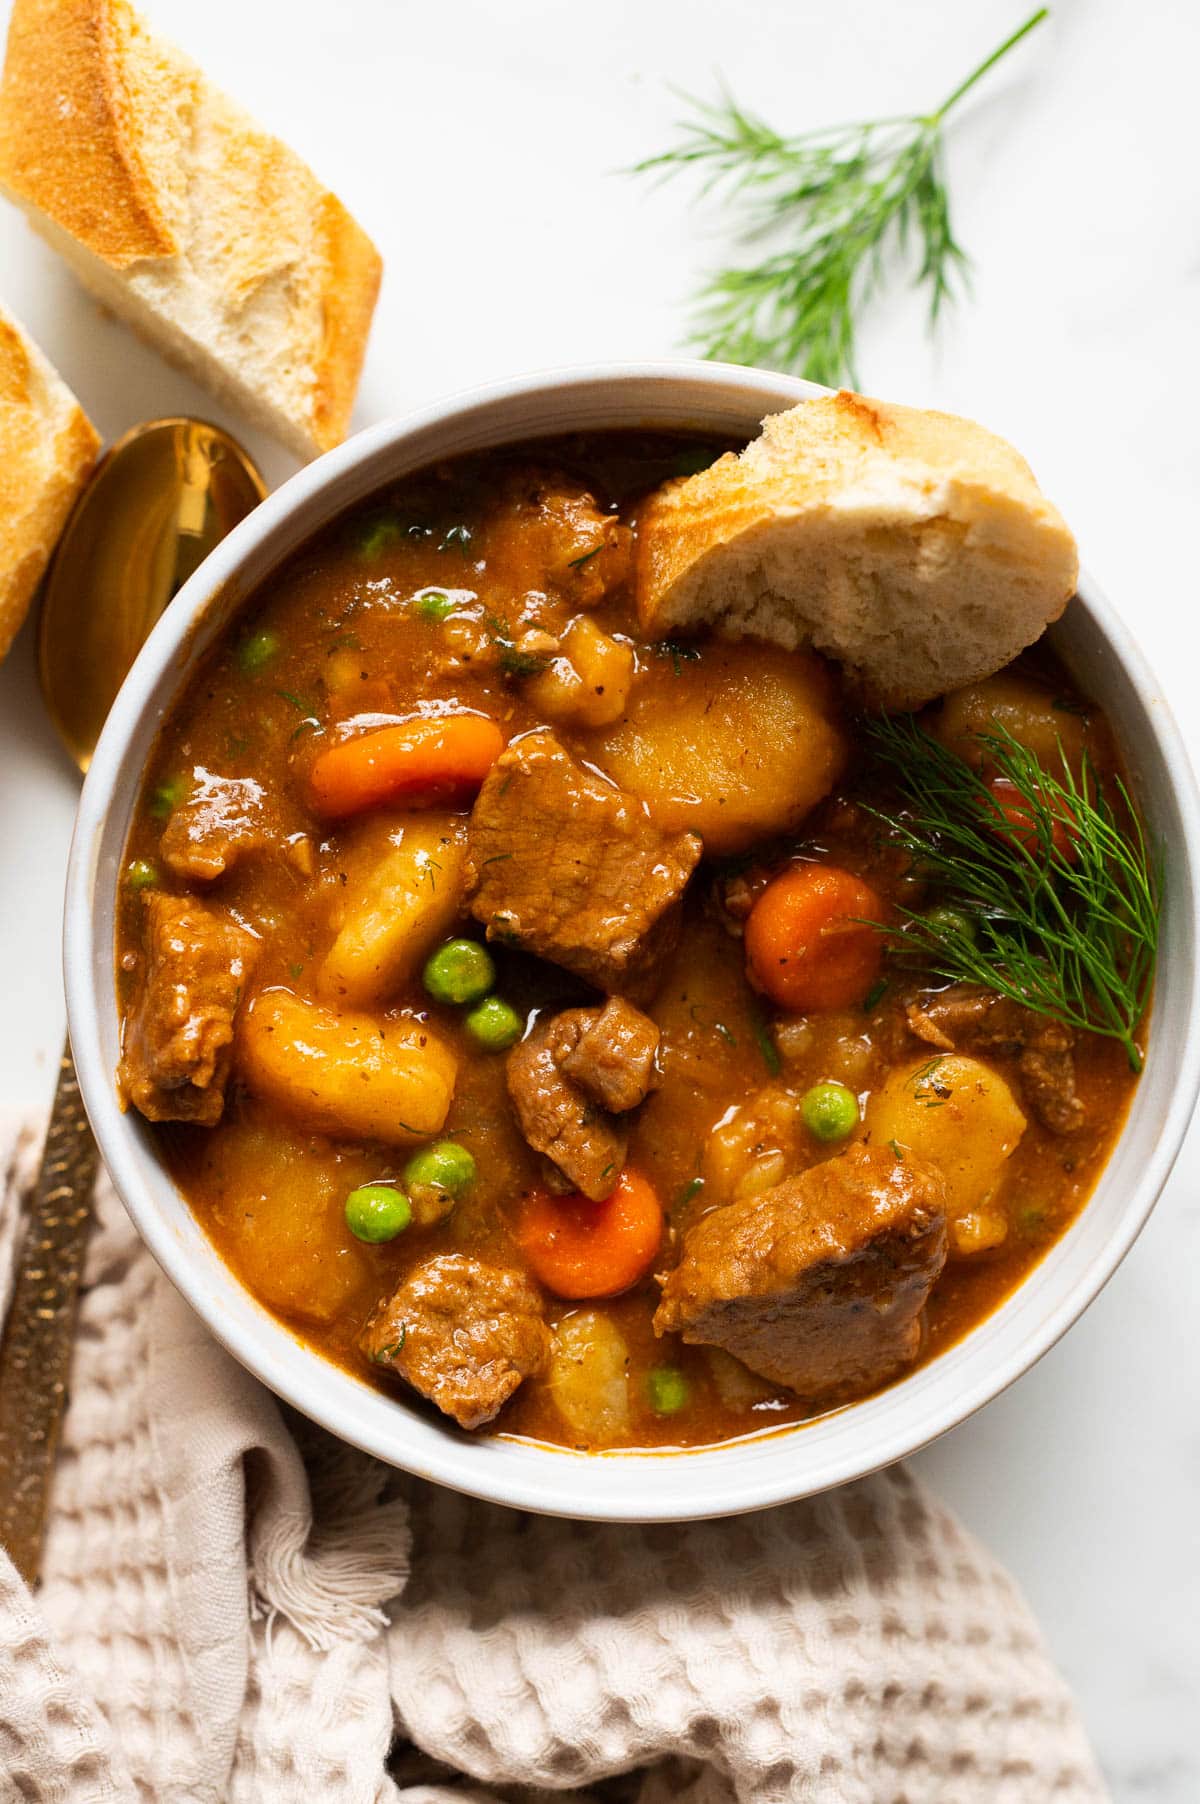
x,y
565,864
578,549
819,1283
220,821
567,1076
969,1016
581,1140
463,1333
612,1053
177,1049
1048,1081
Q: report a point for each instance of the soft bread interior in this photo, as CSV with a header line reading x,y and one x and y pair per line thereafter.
x,y
913,548
256,363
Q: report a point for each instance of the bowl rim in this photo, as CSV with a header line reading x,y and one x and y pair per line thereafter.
x,y
750,1474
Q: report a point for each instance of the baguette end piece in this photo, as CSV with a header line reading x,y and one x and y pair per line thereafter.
x,y
913,548
210,237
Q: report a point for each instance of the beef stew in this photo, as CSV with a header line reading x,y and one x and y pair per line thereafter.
x,y
545,1021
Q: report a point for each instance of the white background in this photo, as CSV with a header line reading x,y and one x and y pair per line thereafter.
x,y
481,144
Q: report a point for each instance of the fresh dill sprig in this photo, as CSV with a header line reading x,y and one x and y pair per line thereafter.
x,y
1065,898
847,195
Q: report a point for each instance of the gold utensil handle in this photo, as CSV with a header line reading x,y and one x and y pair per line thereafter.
x,y
35,1353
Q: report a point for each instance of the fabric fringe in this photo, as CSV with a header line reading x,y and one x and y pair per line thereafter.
x,y
331,1573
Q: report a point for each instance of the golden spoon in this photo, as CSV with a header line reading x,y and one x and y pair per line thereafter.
x,y
160,500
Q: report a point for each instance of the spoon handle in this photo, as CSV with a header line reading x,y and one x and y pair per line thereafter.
x,y
35,1353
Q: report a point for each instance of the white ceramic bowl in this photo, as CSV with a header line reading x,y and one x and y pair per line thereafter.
x,y
621,1486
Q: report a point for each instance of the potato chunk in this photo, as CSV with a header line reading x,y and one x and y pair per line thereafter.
x,y
279,1203
400,900
737,1386
754,1144
589,1377
1034,716
744,741
589,683
345,1074
960,1115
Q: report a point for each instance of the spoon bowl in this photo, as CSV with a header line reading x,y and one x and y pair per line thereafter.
x,y
162,498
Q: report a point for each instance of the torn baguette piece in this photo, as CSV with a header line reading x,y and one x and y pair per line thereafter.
x,y
47,449
209,236
913,548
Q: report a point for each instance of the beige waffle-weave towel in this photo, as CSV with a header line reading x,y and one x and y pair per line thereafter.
x,y
228,1613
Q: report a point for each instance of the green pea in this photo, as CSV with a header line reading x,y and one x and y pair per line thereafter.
x,y
946,922
167,797
377,1212
459,971
829,1111
433,604
377,537
689,460
445,1166
667,1389
495,1024
256,652
141,874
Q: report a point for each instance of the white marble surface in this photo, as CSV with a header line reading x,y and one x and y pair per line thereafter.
x,y
481,145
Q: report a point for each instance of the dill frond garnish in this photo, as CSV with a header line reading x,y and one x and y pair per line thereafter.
x,y
846,197
1066,898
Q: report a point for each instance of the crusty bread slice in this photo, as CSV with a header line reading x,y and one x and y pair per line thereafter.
x,y
180,213
47,449
913,548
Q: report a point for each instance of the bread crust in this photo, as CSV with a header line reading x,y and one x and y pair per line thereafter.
x,y
353,273
179,211
913,547
71,134
47,449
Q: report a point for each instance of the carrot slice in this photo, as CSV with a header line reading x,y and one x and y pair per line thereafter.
x,y
1017,818
806,943
418,761
578,1248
